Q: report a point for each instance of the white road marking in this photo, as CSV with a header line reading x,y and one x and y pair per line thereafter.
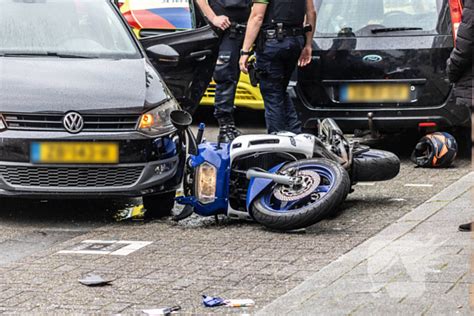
x,y
94,241
397,200
106,247
84,252
418,185
368,184
132,246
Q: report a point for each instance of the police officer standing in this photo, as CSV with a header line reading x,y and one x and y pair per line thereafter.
x,y
230,16
283,42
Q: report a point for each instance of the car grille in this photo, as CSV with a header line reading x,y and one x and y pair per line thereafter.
x,y
54,122
70,177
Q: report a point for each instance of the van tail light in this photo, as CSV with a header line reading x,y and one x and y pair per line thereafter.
x,y
455,8
427,124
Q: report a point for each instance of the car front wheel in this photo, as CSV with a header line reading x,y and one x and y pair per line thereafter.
x,y
159,205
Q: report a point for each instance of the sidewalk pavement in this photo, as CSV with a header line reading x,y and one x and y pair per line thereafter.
x,y
418,265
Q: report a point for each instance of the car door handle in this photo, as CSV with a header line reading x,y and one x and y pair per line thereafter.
x,y
200,55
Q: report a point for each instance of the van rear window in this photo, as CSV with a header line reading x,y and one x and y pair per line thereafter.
x,y
399,17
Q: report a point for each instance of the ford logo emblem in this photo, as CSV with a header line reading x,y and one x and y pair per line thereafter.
x,y
372,59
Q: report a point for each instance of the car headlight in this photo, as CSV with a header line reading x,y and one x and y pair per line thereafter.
x,y
206,177
157,121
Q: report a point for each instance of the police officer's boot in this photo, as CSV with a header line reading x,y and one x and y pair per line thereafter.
x,y
227,130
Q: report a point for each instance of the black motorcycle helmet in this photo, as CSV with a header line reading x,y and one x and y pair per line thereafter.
x,y
437,150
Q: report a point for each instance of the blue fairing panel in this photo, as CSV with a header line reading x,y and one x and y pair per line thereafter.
x,y
258,185
220,159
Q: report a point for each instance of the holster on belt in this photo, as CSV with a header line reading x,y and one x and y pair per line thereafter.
x,y
236,30
255,74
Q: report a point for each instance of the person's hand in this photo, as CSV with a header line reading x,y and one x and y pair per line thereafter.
x,y
305,57
244,64
221,21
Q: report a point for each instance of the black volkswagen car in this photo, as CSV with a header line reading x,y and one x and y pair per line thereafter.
x,y
83,111
382,62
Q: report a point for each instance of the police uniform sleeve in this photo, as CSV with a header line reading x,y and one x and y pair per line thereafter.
x,y
261,1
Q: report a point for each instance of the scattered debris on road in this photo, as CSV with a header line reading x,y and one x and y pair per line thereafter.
x,y
210,301
95,280
162,311
240,303
134,213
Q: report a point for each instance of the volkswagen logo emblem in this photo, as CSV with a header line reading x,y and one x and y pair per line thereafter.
x,y
372,59
73,122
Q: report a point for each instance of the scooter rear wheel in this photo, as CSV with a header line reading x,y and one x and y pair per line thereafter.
x,y
286,208
375,165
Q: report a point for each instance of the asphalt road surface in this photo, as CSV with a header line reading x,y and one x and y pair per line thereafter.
x,y
31,226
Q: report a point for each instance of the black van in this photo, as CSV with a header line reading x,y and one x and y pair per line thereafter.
x,y
381,60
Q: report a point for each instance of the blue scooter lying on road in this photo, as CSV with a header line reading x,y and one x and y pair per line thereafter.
x,y
283,181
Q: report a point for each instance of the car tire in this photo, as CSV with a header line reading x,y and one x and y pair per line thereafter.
x,y
159,205
375,165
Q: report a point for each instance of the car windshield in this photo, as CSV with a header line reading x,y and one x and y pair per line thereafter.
x,y
65,28
362,17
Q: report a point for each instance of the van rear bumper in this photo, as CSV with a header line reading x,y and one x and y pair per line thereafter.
x,y
447,115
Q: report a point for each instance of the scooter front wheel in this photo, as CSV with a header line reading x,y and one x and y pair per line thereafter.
x,y
323,186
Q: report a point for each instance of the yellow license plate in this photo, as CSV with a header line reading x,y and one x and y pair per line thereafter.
x,y
375,93
75,153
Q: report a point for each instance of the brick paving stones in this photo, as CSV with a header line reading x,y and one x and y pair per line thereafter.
x,y
185,260
419,265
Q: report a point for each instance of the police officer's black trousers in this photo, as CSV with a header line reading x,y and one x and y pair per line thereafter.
x,y
226,75
277,61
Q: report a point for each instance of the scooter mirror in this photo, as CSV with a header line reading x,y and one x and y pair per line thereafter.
x,y
181,119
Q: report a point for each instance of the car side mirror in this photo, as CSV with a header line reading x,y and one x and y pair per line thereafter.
x,y
181,119
163,54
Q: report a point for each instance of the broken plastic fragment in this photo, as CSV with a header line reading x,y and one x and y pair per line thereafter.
x,y
240,303
95,280
136,213
210,301
162,311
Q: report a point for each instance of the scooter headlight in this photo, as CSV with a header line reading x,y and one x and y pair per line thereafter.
x,y
206,178
157,121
